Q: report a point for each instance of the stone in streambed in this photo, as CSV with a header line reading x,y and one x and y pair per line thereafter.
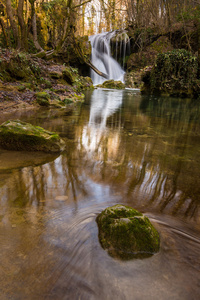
x,y
112,84
126,233
18,135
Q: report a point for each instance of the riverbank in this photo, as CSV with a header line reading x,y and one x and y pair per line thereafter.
x,y
27,82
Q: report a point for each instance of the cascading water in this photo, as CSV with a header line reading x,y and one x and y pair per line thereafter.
x,y
102,59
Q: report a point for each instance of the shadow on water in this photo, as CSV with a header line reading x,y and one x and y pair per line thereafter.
x,y
121,148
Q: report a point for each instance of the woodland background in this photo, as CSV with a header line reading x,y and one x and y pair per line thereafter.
x,y
36,25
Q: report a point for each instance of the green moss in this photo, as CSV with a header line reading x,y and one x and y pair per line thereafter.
x,y
42,102
162,45
17,70
125,233
86,83
47,83
68,100
27,85
42,98
57,103
17,135
43,95
174,73
111,84
68,75
21,88
55,74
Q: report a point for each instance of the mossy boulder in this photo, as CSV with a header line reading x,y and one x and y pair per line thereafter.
x,y
18,135
42,98
112,84
126,233
68,75
174,73
57,103
55,74
21,88
18,66
86,83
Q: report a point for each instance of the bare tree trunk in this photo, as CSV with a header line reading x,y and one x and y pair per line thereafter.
x,y
24,42
12,22
4,31
34,26
166,3
113,15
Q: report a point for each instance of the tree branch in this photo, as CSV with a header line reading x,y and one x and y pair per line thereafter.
x,y
79,5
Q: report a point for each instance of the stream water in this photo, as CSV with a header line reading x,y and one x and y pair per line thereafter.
x,y
121,148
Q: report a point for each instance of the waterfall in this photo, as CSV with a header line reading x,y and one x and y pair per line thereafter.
x,y
102,59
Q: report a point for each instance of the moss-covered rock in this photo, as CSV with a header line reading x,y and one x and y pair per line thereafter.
x,y
174,73
21,88
111,84
17,135
19,66
55,74
74,98
68,75
42,98
86,83
125,233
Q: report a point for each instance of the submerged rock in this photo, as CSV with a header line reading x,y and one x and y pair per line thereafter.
x,y
126,233
111,84
17,135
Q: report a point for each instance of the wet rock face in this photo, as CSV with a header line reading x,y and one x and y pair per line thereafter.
x,y
125,233
17,135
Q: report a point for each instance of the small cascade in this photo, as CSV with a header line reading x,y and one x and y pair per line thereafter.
x,y
102,58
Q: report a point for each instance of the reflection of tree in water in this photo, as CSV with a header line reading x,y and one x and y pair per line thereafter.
x,y
150,152
39,184
169,182
156,156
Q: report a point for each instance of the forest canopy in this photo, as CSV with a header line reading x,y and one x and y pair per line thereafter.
x,y
37,25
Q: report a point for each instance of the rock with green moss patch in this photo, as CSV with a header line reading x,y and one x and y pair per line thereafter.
x,y
18,135
86,83
126,233
55,74
42,98
111,84
174,73
68,75
57,103
21,88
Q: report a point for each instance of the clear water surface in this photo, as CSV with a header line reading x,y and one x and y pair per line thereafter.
x,y
121,148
